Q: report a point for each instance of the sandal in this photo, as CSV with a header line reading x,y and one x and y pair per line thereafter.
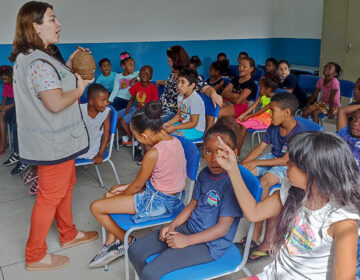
x,y
242,243
34,187
259,255
31,176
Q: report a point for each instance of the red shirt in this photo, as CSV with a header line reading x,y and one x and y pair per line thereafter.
x,y
8,91
144,95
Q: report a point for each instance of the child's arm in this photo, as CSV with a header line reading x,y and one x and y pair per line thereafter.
x,y
130,103
169,123
219,86
267,162
177,240
144,174
262,110
345,234
331,103
104,141
254,211
194,119
211,92
237,98
312,98
115,88
344,114
160,83
254,154
250,109
4,100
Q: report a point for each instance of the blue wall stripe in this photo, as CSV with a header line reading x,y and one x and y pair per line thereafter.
x,y
297,51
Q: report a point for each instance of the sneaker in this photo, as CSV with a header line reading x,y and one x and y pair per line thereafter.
x,y
34,187
107,254
137,153
14,158
19,169
121,247
127,143
31,176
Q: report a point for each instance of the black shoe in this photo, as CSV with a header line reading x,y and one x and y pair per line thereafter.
x,y
14,158
19,169
137,153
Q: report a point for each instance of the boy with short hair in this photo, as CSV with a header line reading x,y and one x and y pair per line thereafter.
x,y
270,67
189,121
271,168
97,120
107,77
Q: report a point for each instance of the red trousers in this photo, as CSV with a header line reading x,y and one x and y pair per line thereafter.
x,y
54,196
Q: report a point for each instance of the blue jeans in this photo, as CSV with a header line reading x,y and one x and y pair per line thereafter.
x,y
279,171
167,116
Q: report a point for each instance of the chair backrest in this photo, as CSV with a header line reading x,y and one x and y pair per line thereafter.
x,y
226,80
347,89
307,83
259,73
113,122
210,110
234,70
309,124
253,184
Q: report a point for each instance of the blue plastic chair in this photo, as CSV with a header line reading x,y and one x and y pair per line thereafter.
x,y
107,153
259,73
125,221
308,83
210,110
234,70
232,261
346,90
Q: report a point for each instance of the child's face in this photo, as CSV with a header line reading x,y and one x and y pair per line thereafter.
x,y
129,66
193,66
145,74
296,176
277,114
264,90
240,57
184,86
269,67
355,124
105,68
170,62
100,102
329,70
357,91
211,147
6,79
283,70
213,72
244,68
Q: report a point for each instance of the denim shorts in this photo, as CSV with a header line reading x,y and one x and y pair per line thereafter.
x,y
129,115
279,171
152,204
190,133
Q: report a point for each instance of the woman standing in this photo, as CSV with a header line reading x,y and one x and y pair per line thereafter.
x,y
51,131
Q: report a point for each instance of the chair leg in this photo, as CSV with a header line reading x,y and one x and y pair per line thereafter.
x,y
126,256
115,172
133,147
136,276
259,139
252,140
246,271
103,235
9,137
117,140
99,176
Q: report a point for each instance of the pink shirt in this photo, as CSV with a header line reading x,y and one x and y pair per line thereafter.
x,y
326,91
8,90
169,174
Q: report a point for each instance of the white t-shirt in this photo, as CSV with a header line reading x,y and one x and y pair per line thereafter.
x,y
193,105
308,252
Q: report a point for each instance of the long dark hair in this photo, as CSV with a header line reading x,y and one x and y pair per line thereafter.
x,y
330,167
179,57
148,117
26,37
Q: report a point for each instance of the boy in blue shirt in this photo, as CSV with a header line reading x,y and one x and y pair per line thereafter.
x,y
271,167
107,77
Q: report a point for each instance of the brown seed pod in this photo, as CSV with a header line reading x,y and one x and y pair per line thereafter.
x,y
84,64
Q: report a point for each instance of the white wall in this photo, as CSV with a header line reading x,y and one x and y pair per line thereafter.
x,y
171,20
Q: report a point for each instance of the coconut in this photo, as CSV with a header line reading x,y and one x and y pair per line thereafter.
x,y
84,64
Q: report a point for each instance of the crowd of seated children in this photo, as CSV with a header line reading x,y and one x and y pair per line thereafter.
x,y
216,80
240,90
204,229
96,116
120,95
260,119
317,209
271,168
289,82
189,121
270,67
106,78
330,99
142,92
156,189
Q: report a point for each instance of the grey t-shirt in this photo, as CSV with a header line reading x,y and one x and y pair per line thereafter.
x,y
193,105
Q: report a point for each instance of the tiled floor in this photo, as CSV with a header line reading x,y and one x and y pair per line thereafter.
x,y
15,211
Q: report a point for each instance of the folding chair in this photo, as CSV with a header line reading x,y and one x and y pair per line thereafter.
x,y
125,220
107,153
232,261
308,83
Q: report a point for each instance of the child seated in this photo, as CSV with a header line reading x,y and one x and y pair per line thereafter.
x,y
189,120
216,80
142,92
271,168
356,97
270,67
241,56
155,191
107,76
260,119
330,99
225,69
317,209
97,120
203,231
195,62
241,90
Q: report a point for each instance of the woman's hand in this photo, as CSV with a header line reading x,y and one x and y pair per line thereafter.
x,y
163,234
177,240
82,84
69,62
225,156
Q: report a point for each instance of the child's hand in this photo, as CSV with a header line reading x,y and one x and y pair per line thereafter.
x,y
117,189
250,164
242,118
133,81
164,232
225,156
217,100
331,114
166,125
98,159
177,240
170,129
